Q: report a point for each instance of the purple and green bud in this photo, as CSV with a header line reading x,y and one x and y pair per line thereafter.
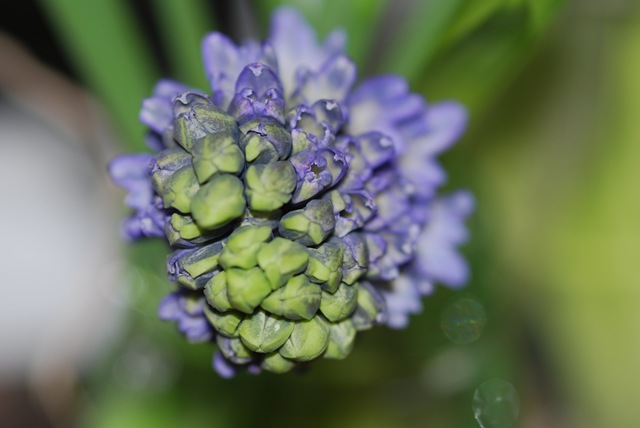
x,y
299,210
269,186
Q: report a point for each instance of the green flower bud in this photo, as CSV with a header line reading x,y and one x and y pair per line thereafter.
x,y
310,225
298,299
269,186
355,257
276,363
242,247
337,201
246,288
216,153
308,340
202,260
300,142
342,337
263,332
341,304
203,118
280,259
182,227
218,202
167,163
367,310
233,349
178,190
258,149
215,291
225,323
265,141
325,266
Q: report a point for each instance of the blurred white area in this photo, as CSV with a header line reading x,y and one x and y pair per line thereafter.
x,y
59,245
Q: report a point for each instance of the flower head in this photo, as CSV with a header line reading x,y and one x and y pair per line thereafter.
x,y
300,209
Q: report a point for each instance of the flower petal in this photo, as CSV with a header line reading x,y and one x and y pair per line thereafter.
x,y
294,42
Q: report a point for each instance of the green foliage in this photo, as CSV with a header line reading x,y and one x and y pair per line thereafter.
x,y
106,46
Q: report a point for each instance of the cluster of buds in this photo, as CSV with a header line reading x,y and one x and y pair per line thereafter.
x,y
299,212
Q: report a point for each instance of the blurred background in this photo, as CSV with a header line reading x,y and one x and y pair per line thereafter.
x,y
547,333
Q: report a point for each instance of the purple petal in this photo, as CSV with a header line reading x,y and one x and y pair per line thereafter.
x,y
360,207
402,300
131,172
157,112
319,123
147,223
196,329
364,154
223,62
258,93
437,256
223,367
294,42
441,126
169,307
317,171
127,170
384,104
332,82
259,78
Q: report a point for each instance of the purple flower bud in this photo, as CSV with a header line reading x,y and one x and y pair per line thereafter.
x,y
186,309
317,171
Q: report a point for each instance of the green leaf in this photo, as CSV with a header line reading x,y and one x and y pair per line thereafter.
x,y
183,24
480,66
418,39
543,11
105,44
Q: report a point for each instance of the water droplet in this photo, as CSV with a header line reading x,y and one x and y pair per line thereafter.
x,y
463,321
496,404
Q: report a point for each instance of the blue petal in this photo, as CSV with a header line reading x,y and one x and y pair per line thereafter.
x,y
224,367
294,42
223,62
157,112
332,82
436,253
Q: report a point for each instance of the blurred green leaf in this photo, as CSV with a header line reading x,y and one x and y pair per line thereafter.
x,y
542,11
183,24
480,66
418,39
472,15
358,17
593,262
103,40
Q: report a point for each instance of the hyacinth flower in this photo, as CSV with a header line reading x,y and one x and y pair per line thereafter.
x,y
301,207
